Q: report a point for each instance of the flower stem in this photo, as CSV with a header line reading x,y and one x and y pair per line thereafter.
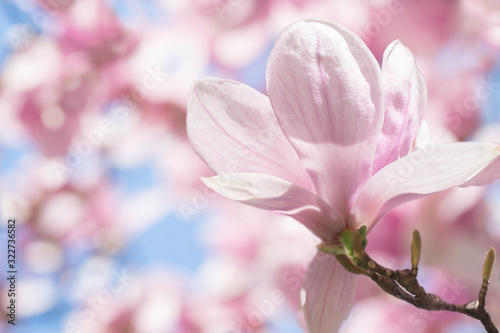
x,y
403,284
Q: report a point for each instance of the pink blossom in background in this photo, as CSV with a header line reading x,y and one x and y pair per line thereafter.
x,y
38,101
143,302
278,262
449,41
84,71
92,28
343,130
481,20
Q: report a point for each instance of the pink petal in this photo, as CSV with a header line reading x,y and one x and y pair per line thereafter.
x,y
326,91
330,292
486,176
275,194
435,168
233,128
405,102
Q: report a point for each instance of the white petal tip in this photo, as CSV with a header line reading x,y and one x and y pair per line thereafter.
x,y
210,181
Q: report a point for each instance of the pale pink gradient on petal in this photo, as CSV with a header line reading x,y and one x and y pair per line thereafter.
x,y
330,292
405,103
487,175
271,193
423,172
326,90
242,131
489,133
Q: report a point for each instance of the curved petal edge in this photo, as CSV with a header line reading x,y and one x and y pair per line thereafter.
x,y
275,194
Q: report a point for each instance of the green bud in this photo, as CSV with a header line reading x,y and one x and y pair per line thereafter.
x,y
363,231
354,241
416,248
346,238
488,264
331,248
357,245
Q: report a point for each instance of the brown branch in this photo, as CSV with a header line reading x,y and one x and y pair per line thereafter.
x,y
403,284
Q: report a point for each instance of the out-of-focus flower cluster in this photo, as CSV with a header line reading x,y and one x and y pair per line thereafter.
x,y
115,231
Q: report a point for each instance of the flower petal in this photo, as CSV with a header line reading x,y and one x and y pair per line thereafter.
x,y
330,292
435,168
424,136
326,90
275,194
405,95
233,128
486,176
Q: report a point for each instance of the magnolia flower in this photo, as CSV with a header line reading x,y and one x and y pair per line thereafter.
x,y
334,145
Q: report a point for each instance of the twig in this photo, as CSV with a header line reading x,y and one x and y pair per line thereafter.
x,y
403,284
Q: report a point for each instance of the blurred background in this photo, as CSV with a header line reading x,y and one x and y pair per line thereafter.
x,y
116,233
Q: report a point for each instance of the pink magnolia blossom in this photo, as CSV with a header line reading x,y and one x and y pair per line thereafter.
x,y
334,145
455,44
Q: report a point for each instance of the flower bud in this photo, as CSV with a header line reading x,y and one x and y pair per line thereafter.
x,y
357,245
488,264
416,248
354,241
